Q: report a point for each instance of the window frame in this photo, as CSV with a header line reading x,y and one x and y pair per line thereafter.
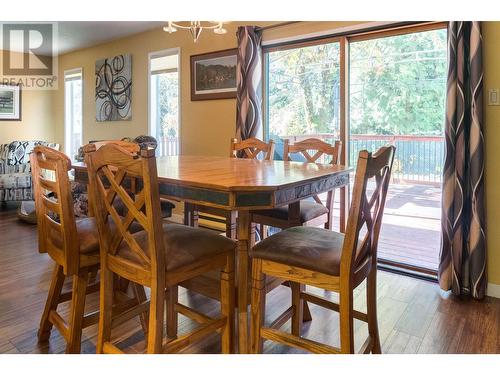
x,y
157,54
67,141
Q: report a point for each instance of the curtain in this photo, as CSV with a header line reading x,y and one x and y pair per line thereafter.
x,y
249,83
463,248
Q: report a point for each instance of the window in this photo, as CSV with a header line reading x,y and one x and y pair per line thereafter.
x,y
393,92
303,93
164,100
73,118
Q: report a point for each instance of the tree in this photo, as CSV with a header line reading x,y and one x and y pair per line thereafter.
x,y
397,86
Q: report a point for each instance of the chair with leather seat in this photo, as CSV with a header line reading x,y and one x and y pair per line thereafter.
x,y
159,257
72,244
328,260
312,212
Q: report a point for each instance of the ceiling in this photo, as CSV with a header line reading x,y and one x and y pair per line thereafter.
x,y
71,36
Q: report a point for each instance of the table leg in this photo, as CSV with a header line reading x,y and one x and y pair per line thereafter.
x,y
344,207
246,238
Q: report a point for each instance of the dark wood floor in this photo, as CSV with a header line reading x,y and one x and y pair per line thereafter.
x,y
414,315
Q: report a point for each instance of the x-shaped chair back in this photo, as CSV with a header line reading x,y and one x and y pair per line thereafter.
x,y
365,216
315,151
109,168
251,149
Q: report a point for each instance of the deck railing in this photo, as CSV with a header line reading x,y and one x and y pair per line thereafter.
x,y
168,146
418,158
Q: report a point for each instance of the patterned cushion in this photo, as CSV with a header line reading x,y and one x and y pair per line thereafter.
x,y
15,169
9,195
19,151
15,181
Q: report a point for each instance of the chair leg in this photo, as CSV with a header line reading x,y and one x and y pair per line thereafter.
x,y
298,314
227,305
346,321
306,311
371,301
172,315
105,309
140,296
258,307
263,231
56,285
80,282
156,317
231,225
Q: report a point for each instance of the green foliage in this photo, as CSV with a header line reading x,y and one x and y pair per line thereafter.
x,y
168,103
397,86
303,90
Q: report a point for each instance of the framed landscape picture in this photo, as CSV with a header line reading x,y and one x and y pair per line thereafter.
x,y
213,75
10,102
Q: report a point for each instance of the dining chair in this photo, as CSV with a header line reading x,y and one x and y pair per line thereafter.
x,y
312,212
159,257
134,146
127,145
72,244
328,260
251,148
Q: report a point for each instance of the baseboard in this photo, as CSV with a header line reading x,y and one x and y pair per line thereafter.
x,y
493,290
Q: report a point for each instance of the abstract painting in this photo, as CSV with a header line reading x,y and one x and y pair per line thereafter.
x,y
213,75
113,88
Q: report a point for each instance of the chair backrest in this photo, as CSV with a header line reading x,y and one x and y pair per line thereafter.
x,y
129,146
57,232
367,208
314,151
109,167
251,148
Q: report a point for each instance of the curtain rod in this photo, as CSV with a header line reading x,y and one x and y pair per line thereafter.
x,y
276,25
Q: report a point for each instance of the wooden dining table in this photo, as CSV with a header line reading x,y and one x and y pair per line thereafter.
x,y
243,185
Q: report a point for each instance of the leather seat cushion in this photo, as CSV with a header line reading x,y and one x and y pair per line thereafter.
x,y
183,245
308,210
88,236
315,249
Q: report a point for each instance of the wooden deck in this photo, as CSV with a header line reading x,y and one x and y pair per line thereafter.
x,y
411,227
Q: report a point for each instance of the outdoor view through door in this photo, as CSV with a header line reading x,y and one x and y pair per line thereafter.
x,y
395,85
164,100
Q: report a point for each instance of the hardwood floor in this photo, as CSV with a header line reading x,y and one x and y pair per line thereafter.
x,y
414,315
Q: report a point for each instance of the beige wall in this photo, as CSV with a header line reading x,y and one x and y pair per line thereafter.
x,y
491,61
206,126
36,118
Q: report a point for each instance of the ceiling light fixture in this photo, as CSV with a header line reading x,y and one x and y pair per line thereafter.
x,y
195,27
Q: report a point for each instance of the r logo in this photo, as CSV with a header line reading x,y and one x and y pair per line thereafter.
x,y
28,49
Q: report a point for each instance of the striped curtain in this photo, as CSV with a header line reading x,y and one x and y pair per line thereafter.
x,y
249,83
463,249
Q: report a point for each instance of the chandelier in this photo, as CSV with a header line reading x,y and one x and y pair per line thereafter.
x,y
195,27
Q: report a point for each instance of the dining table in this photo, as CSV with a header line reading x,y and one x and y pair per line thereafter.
x,y
244,185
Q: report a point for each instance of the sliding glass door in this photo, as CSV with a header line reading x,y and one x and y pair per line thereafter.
x,y
397,87
369,90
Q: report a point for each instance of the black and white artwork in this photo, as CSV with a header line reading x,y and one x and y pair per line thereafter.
x,y
113,88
